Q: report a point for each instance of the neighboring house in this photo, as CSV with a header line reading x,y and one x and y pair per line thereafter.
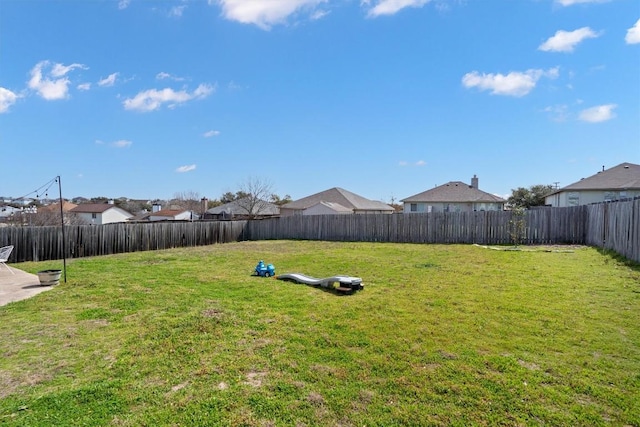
x,y
243,209
172,215
55,207
8,211
619,182
100,213
454,196
326,208
335,196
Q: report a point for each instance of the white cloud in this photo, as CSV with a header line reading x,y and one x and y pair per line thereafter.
x,y
122,143
513,84
264,13
572,2
123,4
186,168
177,11
558,113
404,163
60,70
84,86
390,7
597,114
50,80
108,81
319,14
633,34
153,99
162,76
7,99
566,41
211,133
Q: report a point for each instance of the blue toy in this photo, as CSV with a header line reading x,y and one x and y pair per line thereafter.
x,y
265,270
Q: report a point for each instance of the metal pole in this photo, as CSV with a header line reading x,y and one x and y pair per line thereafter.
x,y
64,251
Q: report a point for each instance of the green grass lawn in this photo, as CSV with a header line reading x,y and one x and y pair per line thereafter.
x,y
441,335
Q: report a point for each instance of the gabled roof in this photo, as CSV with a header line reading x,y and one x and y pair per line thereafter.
x,y
55,207
170,213
242,206
93,207
454,192
341,197
336,207
625,176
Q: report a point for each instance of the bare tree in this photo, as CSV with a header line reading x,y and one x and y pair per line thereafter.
x,y
188,200
257,192
52,217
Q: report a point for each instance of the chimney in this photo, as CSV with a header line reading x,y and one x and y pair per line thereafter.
x,y
204,202
156,208
474,182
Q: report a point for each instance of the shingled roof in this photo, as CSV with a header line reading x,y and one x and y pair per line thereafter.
x,y
454,192
242,207
625,176
342,197
92,207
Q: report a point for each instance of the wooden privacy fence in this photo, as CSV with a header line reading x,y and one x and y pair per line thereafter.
x,y
614,226
543,226
45,243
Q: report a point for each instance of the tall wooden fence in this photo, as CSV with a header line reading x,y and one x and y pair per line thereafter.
x,y
45,243
614,226
542,226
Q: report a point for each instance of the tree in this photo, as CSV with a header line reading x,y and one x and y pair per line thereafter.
x,y
276,200
257,192
188,200
527,197
517,226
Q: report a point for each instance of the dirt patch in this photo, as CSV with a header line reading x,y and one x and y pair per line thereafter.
x,y
212,313
315,398
179,386
254,379
529,365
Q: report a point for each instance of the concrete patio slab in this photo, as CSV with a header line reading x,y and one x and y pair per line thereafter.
x,y
18,286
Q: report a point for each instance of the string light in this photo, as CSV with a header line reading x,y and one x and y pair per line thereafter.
x,y
43,189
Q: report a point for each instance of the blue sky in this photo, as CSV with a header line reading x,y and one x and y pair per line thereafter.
x,y
385,98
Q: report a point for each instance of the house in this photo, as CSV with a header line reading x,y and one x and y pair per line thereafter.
x,y
454,196
100,213
242,209
619,182
7,212
338,200
172,215
55,207
326,208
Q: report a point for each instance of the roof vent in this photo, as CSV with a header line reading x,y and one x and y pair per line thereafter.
x,y
626,166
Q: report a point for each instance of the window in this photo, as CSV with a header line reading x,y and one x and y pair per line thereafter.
x,y
414,207
573,199
94,215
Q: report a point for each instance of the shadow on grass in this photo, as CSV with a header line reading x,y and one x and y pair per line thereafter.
x,y
614,256
330,290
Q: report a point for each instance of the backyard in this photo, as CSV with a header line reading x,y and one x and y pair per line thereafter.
x,y
441,335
